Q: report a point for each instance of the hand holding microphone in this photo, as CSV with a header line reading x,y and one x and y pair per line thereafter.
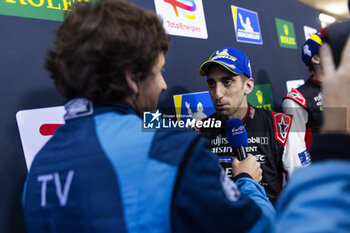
x,y
249,165
238,138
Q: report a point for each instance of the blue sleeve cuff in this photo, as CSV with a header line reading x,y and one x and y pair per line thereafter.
x,y
241,175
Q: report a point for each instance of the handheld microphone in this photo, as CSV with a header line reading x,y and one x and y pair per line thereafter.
x,y
237,137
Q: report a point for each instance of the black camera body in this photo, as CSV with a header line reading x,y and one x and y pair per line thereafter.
x,y
336,36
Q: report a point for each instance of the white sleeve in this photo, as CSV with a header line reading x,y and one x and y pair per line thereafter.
x,y
295,153
300,116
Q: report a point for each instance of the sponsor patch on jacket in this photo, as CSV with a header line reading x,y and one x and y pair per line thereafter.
x,y
305,158
225,159
230,189
78,107
295,95
281,124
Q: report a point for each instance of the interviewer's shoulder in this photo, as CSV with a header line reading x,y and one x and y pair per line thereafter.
x,y
172,145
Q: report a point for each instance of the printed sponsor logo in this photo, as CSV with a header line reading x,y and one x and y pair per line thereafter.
x,y
240,130
36,127
250,149
282,124
286,34
37,9
219,140
196,106
247,27
62,189
224,55
228,171
294,84
260,158
183,17
305,158
48,129
78,107
297,96
307,51
261,97
318,99
258,140
309,31
183,7
221,149
225,159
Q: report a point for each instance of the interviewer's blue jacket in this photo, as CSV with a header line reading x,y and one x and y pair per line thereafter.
x,y
101,172
317,198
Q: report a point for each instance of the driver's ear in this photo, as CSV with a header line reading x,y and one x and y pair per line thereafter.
x,y
316,59
248,85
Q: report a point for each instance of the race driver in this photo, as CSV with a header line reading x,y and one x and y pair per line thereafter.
x,y
229,79
305,102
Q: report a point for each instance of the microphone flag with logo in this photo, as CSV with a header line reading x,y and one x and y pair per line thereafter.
x,y
237,137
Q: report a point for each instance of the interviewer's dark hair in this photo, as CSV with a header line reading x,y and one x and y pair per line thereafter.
x,y
98,42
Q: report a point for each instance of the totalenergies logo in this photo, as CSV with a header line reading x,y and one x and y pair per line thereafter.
x,y
185,7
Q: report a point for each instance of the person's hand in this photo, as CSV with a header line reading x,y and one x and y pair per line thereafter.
x,y
336,91
248,165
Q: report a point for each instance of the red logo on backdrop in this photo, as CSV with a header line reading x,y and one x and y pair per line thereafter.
x,y
36,126
48,129
295,95
281,123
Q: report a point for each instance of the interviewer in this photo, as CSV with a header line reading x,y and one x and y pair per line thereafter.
x,y
100,172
